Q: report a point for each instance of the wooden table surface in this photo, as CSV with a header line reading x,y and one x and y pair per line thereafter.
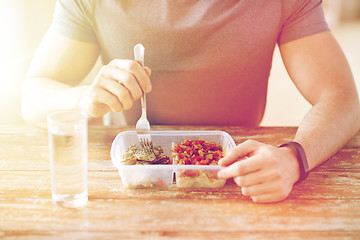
x,y
325,206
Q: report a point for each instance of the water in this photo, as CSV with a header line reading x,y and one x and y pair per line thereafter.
x,y
68,155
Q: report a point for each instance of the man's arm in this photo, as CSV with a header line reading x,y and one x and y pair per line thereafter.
x,y
320,71
60,64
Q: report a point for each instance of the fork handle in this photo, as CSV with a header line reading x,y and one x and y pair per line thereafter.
x,y
143,105
139,52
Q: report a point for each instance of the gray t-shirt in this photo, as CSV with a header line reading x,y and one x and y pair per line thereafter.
x,y
210,59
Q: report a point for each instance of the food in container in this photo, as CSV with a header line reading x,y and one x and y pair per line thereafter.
x,y
138,156
159,175
138,177
197,152
205,156
202,177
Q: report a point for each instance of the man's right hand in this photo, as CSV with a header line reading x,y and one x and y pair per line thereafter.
x,y
116,87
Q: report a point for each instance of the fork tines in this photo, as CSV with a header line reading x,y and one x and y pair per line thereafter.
x,y
147,145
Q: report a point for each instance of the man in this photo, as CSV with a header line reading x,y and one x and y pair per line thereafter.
x,y
210,63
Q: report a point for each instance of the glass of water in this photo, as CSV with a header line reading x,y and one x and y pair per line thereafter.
x,y
68,138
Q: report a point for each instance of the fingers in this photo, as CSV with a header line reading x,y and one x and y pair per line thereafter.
x,y
241,160
266,192
121,93
121,84
117,86
148,71
260,189
241,167
136,70
242,150
269,198
257,177
99,102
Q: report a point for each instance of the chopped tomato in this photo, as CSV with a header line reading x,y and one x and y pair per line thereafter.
x,y
197,152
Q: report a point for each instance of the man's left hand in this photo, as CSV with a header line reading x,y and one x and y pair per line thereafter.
x,y
264,172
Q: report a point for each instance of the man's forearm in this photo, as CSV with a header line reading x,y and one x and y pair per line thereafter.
x,y
329,125
43,95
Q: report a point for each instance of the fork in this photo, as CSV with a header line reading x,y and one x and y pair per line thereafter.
x,y
143,125
148,148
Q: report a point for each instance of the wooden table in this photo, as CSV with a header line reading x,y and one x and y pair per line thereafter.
x,y
325,206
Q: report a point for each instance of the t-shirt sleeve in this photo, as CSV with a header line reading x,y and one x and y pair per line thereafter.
x,y
72,18
301,18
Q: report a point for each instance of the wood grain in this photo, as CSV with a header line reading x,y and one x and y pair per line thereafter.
x,y
325,206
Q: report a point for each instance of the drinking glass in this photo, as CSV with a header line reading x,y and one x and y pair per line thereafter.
x,y
68,139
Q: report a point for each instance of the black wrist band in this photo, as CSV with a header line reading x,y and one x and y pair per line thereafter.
x,y
301,157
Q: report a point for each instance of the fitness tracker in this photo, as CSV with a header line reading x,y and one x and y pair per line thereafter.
x,y
301,157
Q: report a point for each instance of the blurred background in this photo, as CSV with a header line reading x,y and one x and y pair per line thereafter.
x,y
24,22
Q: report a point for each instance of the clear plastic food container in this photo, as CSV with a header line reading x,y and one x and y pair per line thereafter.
x,y
196,176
